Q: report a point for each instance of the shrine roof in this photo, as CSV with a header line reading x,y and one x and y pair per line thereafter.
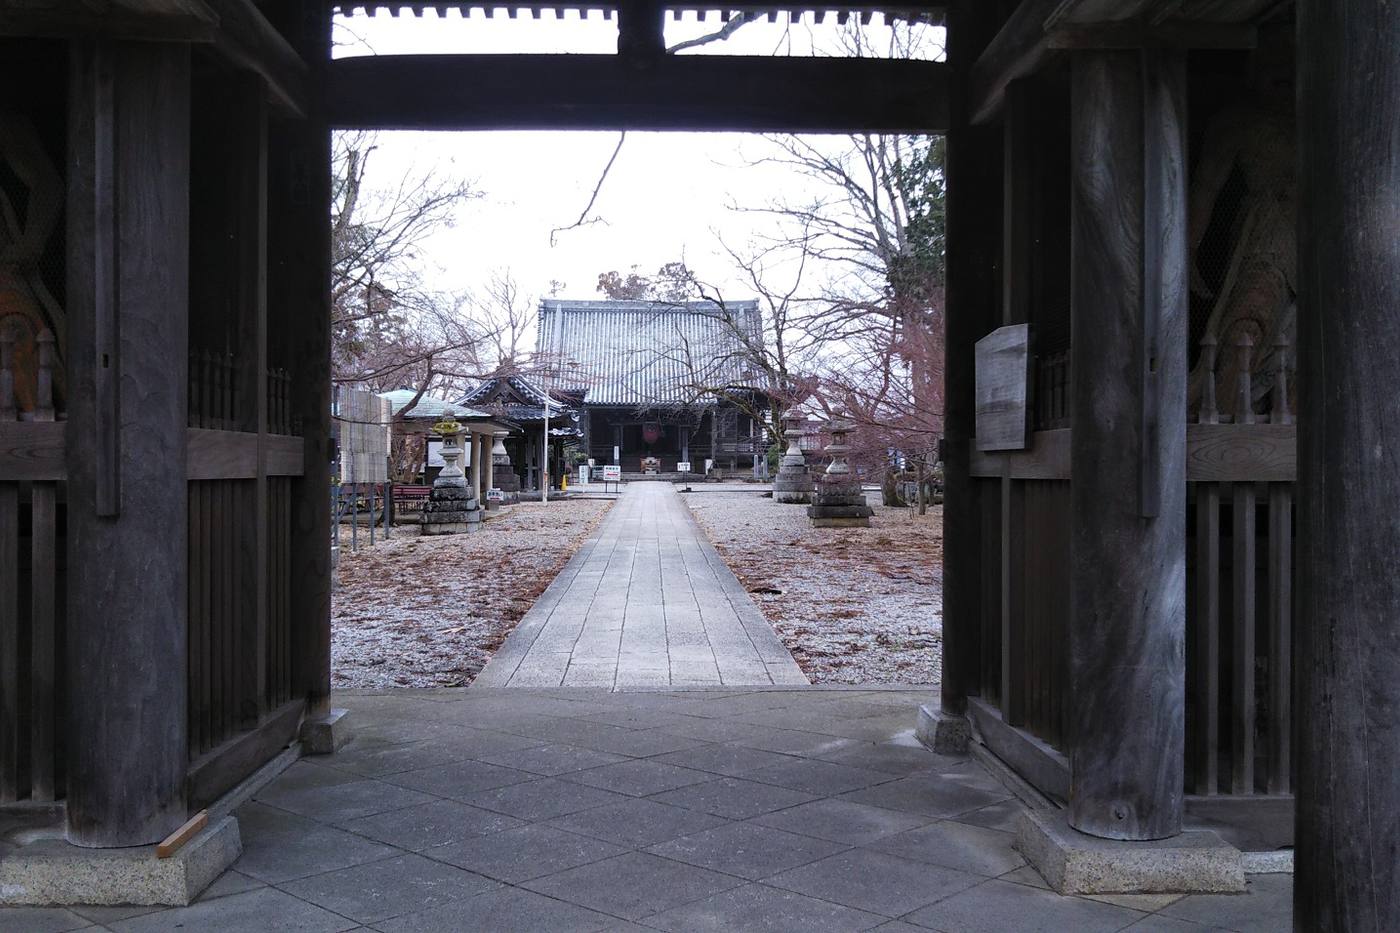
x,y
649,353
429,406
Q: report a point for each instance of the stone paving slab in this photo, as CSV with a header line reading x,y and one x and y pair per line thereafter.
x,y
755,837
646,602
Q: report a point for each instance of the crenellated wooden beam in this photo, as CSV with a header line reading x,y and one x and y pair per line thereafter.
x,y
932,12
691,92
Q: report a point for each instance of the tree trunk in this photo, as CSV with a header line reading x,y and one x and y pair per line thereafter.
x,y
889,489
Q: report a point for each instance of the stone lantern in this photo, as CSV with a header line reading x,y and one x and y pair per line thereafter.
x,y
794,482
451,507
502,473
838,501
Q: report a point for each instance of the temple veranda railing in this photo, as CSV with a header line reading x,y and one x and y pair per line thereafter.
x,y
1240,579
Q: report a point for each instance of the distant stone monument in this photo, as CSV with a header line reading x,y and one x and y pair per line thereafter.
x,y
838,501
794,481
451,508
502,473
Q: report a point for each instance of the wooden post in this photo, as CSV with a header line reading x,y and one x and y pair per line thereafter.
x,y
1348,655
1018,244
128,254
1128,589
299,264
248,122
974,247
476,468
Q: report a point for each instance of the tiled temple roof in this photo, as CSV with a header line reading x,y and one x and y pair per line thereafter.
x,y
646,353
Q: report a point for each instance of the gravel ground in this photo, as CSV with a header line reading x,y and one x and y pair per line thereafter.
x,y
853,605
430,612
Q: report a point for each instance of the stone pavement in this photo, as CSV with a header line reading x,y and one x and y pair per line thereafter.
x,y
575,810
646,602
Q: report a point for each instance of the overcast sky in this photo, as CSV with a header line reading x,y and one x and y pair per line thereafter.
x,y
666,198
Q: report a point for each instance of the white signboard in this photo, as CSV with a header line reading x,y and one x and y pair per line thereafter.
x,y
494,494
583,474
435,454
612,473
683,466
362,425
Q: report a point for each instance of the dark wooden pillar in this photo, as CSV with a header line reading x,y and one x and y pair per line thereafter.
x,y
299,280
973,256
1018,243
1128,589
128,209
1348,649
248,120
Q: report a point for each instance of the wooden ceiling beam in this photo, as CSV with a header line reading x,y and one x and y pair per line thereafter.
x,y
681,92
235,29
1018,50
137,20
247,40
1038,31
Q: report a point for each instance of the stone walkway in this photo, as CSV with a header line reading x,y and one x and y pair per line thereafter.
x,y
645,603
578,810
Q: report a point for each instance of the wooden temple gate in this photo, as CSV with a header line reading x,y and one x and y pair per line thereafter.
x,y
1090,243
164,569
1139,614
154,648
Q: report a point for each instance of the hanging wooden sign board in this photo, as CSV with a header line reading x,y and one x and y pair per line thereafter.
x,y
1003,376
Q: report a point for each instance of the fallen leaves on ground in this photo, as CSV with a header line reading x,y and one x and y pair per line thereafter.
x,y
853,605
430,612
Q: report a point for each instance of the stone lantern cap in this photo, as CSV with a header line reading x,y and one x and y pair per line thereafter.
x,y
447,427
839,426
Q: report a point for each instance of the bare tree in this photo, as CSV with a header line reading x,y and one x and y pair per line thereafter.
x,y
875,225
386,323
891,387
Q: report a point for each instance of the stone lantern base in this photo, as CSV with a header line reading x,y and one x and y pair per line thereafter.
x,y
838,504
503,478
793,484
450,510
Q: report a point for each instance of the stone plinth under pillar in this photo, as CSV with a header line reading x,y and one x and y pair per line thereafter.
x,y
325,734
1071,862
942,733
47,871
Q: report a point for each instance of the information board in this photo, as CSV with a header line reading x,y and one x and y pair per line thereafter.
x,y
683,466
612,473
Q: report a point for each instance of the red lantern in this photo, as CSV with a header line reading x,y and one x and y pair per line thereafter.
x,y
651,432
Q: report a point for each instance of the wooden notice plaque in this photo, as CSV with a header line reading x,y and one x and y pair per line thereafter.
x,y
1003,370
